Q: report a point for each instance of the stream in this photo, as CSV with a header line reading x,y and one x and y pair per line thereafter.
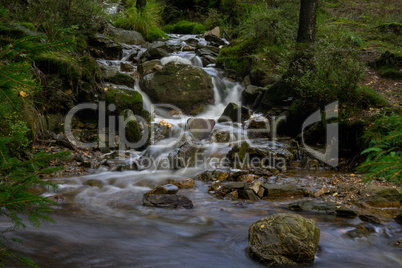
x,y
107,225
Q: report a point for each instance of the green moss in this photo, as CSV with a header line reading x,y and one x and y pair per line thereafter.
x,y
155,33
187,27
391,72
168,28
391,27
60,63
125,99
122,79
28,25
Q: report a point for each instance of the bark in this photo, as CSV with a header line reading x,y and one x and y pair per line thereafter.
x,y
307,21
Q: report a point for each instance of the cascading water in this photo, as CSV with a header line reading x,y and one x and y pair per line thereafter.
x,y
104,224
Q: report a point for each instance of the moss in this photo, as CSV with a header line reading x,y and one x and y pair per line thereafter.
x,y
391,27
187,27
125,99
154,33
28,25
391,72
168,28
60,63
11,32
122,79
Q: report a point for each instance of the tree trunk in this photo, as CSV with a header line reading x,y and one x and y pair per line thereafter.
x,y
307,21
140,4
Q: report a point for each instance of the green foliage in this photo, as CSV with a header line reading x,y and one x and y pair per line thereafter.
x,y
147,21
384,156
16,179
185,27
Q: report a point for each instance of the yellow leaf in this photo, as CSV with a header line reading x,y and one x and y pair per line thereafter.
x,y
23,94
262,226
352,175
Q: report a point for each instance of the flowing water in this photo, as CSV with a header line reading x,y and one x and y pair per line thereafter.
x,y
107,226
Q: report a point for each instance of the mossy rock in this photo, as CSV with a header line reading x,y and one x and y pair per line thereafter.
x,y
185,27
122,79
283,239
125,99
182,85
132,129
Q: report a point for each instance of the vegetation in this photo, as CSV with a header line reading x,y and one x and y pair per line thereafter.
x,y
185,27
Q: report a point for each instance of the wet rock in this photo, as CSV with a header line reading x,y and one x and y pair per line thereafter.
x,y
234,113
149,67
154,53
126,67
220,136
215,32
200,128
215,186
254,186
398,217
248,178
323,207
186,155
125,99
214,40
258,127
261,192
182,85
132,133
103,47
232,196
398,243
361,231
248,194
283,239
94,183
126,36
380,196
227,188
167,201
252,96
192,42
370,219
212,175
321,192
283,191
182,183
58,198
207,55
121,79
164,189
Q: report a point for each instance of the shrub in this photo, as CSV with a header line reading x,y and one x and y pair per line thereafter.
x,y
147,22
384,155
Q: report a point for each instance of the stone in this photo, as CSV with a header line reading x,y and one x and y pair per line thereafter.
x,y
283,239
283,191
321,192
103,47
126,67
121,79
221,136
167,201
248,178
255,186
186,156
248,194
164,189
227,188
212,175
182,183
261,192
200,128
214,40
380,196
323,207
370,219
234,113
258,127
132,133
126,36
149,67
251,95
124,99
398,217
215,32
362,230
398,243
232,196
182,85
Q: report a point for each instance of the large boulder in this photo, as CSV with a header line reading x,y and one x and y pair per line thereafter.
x,y
283,239
149,67
182,85
126,36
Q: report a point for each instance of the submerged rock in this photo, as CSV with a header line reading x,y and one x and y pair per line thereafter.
x,y
167,201
283,239
370,219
